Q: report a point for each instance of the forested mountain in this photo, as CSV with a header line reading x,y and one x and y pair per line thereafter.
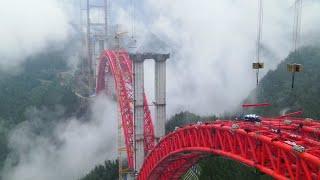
x,y
275,86
43,82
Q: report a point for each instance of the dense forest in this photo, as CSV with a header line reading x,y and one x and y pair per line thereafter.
x,y
42,82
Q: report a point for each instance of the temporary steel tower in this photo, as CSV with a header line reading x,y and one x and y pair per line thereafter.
x,y
94,25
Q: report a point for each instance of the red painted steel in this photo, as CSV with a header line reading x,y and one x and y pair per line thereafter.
x,y
255,105
121,69
305,127
291,114
284,155
283,147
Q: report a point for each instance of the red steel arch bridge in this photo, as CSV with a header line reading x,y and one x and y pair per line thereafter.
x,y
282,147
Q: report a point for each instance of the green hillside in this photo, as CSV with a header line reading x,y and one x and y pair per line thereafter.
x,y
42,83
107,171
275,86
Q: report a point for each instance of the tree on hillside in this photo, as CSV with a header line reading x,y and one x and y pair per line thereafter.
x,y
184,118
217,167
107,171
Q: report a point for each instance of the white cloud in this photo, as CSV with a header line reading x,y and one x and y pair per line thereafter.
x,y
212,44
28,27
72,149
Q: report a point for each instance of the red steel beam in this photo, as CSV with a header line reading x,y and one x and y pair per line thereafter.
x,y
258,145
290,114
255,105
120,66
255,146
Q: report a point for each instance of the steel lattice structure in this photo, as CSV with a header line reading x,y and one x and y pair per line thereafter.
x,y
119,65
291,153
283,147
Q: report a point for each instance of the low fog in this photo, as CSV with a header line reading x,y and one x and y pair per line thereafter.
x,y
212,42
66,150
212,46
29,27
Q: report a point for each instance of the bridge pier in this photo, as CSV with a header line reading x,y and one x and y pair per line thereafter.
x,y
160,96
138,74
160,100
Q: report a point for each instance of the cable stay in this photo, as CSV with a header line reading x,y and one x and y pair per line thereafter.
x,y
258,64
294,67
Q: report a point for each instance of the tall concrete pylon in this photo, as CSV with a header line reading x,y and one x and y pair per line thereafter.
x,y
138,110
160,93
160,96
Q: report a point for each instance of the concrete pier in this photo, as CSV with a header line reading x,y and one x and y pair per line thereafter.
x,y
138,110
160,98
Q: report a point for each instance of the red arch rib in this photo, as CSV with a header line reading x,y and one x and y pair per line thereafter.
x,y
255,145
121,69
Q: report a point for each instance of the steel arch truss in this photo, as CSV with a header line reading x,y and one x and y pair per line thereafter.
x,y
282,148
256,145
119,66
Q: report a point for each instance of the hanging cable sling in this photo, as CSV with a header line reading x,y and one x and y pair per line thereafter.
x,y
259,65
297,24
294,67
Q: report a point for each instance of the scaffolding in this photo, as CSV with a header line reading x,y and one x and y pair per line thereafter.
x,y
94,28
